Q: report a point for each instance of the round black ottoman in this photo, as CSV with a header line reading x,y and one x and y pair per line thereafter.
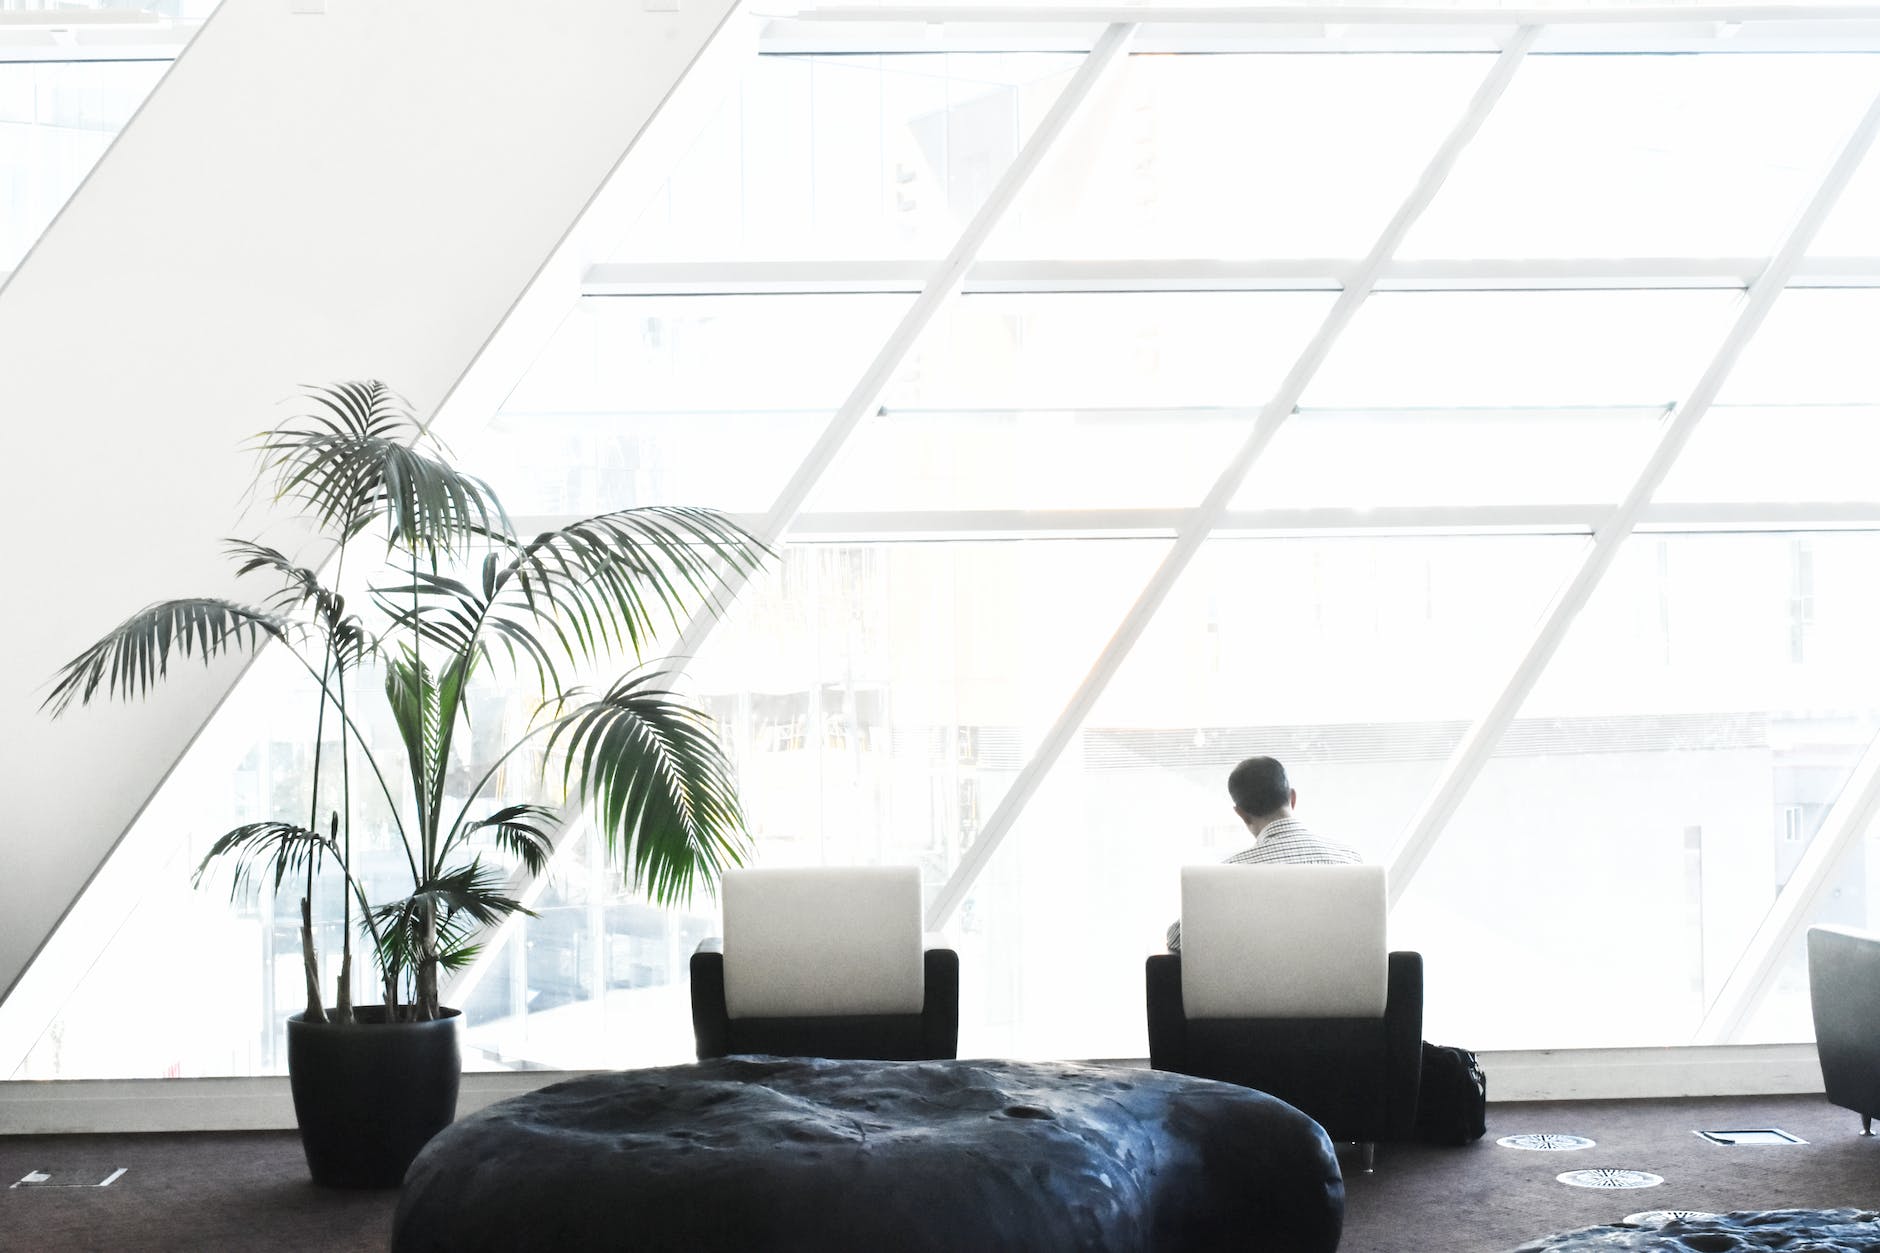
x,y
1746,1231
762,1153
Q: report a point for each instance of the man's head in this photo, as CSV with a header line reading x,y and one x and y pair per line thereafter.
x,y
1260,791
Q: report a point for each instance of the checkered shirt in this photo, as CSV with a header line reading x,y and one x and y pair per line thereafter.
x,y
1283,842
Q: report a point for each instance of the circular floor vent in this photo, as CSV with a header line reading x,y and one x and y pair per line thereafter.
x,y
1659,1217
1604,1178
1545,1142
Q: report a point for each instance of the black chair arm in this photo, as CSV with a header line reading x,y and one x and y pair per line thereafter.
x,y
1168,1025
1403,1028
940,1006
711,1022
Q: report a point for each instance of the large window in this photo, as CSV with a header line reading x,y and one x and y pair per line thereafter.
x,y
56,120
972,654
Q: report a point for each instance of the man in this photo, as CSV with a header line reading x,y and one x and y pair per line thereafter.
x,y
1264,800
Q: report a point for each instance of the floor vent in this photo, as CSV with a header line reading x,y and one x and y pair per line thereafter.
x,y
67,1179
1659,1217
1605,1178
1545,1142
1750,1135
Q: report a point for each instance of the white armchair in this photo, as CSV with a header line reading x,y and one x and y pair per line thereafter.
x,y
825,962
1284,983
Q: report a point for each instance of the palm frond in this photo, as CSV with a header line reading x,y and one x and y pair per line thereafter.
x,y
525,830
349,637
609,581
399,948
657,783
299,585
470,893
353,642
361,456
135,655
454,954
425,705
281,847
447,612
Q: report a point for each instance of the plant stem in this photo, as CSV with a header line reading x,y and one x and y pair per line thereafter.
x,y
391,801
427,1006
309,958
314,1012
424,989
343,1010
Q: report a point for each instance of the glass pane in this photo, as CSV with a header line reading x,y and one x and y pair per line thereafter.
x,y
1555,348
187,10
1646,156
1853,228
1816,348
882,696
598,979
879,709
56,120
1779,454
1846,899
142,940
849,156
1368,460
638,400
1119,349
1356,662
1637,820
1240,155
1796,419
1072,401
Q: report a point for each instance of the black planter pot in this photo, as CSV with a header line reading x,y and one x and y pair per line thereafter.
x,y
370,1095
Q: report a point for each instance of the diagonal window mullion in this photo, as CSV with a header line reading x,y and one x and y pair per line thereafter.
x,y
1478,743
1754,974
941,286
1202,522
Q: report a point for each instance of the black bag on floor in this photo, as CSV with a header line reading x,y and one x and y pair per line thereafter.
x,y
1452,1107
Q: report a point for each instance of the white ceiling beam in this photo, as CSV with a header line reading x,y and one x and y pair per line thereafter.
x,y
786,35
1188,543
1547,519
868,277
1478,743
1562,518
1317,16
75,19
78,35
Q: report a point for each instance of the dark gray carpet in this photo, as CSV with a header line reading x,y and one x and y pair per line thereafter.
x,y
248,1191
1486,1199
199,1192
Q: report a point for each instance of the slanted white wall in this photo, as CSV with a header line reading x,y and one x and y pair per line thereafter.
x,y
366,192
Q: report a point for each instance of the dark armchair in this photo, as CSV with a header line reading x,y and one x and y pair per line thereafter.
x,y
1284,984
825,962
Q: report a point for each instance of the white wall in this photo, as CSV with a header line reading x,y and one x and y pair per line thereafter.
x,y
363,192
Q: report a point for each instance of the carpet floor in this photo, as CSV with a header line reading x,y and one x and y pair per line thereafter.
x,y
1487,1199
243,1191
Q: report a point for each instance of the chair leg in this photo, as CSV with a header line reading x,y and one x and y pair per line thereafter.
x,y
1866,1124
1369,1158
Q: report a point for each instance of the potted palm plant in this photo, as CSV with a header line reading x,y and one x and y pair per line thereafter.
x,y
465,596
